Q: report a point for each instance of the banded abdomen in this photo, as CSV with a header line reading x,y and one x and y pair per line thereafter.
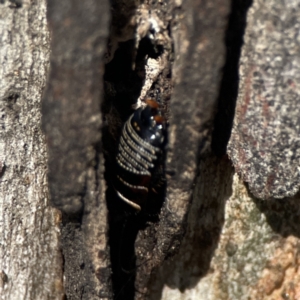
x,y
139,151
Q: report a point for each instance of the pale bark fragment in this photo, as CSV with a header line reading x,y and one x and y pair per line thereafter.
x,y
31,264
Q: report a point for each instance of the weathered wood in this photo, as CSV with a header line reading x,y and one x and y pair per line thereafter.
x,y
72,121
31,263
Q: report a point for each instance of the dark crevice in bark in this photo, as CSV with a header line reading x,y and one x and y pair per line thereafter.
x,y
14,3
230,81
124,78
123,87
72,121
97,163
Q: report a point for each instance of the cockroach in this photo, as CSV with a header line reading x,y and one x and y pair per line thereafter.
x,y
139,154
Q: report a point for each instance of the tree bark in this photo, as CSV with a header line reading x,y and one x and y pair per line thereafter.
x,y
30,257
225,224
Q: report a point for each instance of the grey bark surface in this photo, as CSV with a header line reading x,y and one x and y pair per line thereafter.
x,y
30,258
264,144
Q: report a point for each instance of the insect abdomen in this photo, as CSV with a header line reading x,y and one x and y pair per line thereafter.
x,y
137,156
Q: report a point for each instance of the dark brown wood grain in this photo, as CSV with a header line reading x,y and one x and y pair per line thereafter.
x,y
72,123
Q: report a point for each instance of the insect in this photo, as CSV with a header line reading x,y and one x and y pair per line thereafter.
x,y
139,152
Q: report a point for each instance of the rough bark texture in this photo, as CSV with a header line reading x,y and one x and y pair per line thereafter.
x,y
72,120
265,141
31,264
204,236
